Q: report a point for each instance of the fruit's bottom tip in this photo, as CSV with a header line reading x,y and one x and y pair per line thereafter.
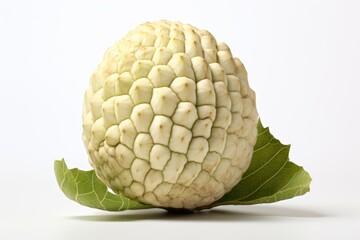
x,y
176,211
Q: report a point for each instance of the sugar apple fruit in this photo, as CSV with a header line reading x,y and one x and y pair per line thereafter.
x,y
169,118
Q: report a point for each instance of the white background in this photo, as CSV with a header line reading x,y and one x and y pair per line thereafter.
x,y
303,60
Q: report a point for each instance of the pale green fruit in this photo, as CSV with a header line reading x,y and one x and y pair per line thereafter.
x,y
169,118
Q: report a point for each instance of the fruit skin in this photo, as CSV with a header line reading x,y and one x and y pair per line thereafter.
x,y
169,118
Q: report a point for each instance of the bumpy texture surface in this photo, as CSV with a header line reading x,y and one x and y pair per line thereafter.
x,y
169,118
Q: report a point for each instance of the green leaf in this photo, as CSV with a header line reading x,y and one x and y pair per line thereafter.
x,y
86,188
271,177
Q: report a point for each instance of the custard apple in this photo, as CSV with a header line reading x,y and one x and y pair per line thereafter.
x,y
169,118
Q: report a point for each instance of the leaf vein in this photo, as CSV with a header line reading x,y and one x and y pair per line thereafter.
x,y
266,163
261,185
